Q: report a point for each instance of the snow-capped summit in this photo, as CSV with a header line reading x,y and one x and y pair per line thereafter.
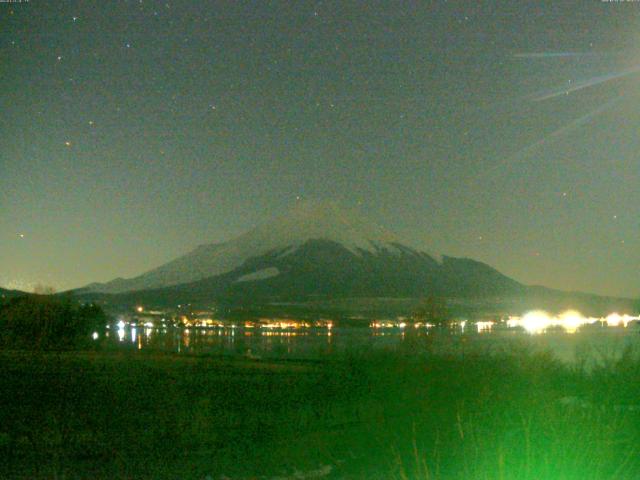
x,y
307,221
317,251
320,220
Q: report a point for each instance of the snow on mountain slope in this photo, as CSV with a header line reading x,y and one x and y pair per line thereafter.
x,y
307,221
259,275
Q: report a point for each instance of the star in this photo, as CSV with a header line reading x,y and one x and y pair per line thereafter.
x,y
75,19
91,122
21,235
67,143
59,57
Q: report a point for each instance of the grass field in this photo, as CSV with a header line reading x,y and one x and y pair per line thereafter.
x,y
403,414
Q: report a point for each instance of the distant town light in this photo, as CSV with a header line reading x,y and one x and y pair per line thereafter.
x,y
572,320
484,326
615,319
539,321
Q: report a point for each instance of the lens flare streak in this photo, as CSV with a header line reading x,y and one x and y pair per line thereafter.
x,y
591,82
533,55
566,129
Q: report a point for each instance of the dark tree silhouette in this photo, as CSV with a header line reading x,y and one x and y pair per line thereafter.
x,y
38,322
431,309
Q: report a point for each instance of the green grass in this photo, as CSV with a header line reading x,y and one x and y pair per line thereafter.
x,y
405,414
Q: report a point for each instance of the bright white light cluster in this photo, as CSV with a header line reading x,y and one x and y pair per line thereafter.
x,y
615,320
538,321
484,326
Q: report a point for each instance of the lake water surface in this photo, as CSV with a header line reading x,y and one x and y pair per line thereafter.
x,y
590,344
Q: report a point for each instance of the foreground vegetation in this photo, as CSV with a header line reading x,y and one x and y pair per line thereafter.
x,y
48,322
405,414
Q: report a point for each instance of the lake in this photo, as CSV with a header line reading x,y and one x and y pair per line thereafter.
x,y
590,344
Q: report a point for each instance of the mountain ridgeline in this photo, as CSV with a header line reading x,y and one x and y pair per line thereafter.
x,y
316,252
8,294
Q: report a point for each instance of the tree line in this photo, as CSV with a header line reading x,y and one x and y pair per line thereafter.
x,y
49,322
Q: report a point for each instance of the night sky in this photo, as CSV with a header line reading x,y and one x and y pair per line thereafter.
x,y
508,132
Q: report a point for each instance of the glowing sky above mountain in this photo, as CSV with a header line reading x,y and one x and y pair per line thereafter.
x,y
507,132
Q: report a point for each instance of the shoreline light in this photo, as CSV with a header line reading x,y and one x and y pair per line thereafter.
x,y
538,321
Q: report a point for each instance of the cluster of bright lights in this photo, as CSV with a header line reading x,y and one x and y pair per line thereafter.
x,y
398,324
285,324
534,322
615,320
383,324
423,325
202,323
539,321
481,326
485,326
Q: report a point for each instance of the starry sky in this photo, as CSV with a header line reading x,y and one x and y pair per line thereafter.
x,y
505,131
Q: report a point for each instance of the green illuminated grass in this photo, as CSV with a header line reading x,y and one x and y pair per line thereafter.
x,y
403,414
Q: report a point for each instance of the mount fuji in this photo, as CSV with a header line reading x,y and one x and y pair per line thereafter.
x,y
316,250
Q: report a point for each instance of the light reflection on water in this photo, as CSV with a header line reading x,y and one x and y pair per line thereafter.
x,y
240,340
317,342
